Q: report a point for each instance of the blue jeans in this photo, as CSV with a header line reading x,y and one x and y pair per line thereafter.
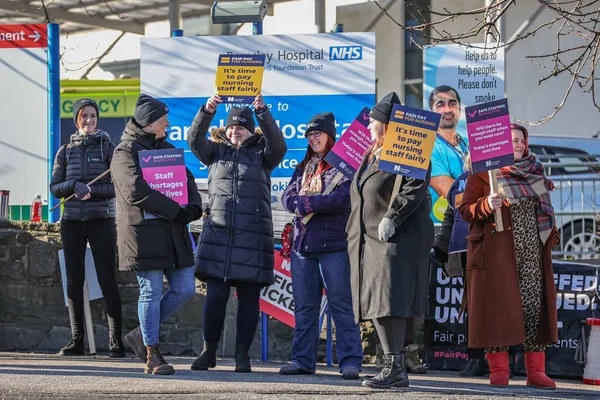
x,y
311,272
154,306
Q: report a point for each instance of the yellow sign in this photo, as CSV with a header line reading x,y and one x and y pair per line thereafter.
x,y
409,141
239,77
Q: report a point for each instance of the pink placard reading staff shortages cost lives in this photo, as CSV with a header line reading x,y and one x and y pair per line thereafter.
x,y
164,170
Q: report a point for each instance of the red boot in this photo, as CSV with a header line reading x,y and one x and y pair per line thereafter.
x,y
535,364
499,371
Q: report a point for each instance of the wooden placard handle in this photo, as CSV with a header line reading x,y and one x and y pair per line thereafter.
x,y
494,190
334,182
96,179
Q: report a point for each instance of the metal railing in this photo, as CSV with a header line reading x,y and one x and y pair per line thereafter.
x,y
576,202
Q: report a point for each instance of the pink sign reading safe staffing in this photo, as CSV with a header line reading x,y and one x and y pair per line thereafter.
x,y
164,171
346,155
490,140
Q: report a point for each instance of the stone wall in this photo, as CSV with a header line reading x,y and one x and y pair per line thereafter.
x,y
33,315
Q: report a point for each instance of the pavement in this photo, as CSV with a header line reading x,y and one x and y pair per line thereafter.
x,y
48,376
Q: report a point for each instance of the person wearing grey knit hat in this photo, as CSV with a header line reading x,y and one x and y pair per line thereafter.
x,y
389,235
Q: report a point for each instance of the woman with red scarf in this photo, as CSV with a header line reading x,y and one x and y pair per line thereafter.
x,y
510,284
319,257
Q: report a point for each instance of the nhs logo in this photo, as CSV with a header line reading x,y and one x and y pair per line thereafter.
x,y
345,53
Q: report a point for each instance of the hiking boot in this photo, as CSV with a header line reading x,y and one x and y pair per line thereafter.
x,y
156,364
74,347
393,374
412,363
115,347
208,357
135,342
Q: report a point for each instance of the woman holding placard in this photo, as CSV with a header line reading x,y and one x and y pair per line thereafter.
x,y
513,265
89,217
236,246
390,235
319,256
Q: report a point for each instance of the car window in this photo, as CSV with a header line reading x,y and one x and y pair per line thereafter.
x,y
565,155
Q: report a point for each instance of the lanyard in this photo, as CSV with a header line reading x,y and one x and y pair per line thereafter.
x,y
458,150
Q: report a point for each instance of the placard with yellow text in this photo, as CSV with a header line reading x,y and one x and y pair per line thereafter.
x,y
409,141
239,77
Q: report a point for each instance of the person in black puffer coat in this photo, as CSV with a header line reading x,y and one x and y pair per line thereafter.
x,y
88,217
236,246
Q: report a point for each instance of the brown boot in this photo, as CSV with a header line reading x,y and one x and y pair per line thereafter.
x,y
156,364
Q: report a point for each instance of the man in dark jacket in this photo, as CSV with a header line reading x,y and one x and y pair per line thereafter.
x,y
236,246
152,246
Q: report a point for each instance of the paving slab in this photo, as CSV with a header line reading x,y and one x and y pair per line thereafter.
x,y
49,376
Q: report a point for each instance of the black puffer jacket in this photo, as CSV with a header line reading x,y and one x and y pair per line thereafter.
x,y
148,243
83,159
237,238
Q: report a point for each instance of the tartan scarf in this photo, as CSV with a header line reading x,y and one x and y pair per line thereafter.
x,y
526,179
312,184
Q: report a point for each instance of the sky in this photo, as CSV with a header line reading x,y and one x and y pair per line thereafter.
x,y
79,51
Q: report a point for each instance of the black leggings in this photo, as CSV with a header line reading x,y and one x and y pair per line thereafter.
x,y
102,236
215,306
392,333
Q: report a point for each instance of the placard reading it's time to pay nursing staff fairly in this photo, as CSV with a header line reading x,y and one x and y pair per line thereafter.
x,y
164,171
409,141
346,155
490,138
239,77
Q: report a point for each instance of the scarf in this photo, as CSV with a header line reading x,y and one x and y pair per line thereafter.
x,y
312,184
526,179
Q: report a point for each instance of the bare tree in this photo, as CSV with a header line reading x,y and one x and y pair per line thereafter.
x,y
579,19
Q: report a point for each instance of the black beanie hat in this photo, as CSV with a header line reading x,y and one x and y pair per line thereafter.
x,y
324,122
382,110
242,117
79,104
148,110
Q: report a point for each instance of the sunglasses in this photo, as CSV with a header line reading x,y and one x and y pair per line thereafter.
x,y
315,134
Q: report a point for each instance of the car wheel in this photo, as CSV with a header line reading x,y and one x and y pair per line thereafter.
x,y
581,237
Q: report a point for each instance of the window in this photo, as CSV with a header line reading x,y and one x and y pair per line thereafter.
x,y
565,155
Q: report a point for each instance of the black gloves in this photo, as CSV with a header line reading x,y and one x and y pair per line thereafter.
x,y
81,189
440,256
188,214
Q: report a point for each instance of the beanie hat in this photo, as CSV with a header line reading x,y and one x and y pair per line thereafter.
x,y
79,104
382,110
148,110
242,117
324,122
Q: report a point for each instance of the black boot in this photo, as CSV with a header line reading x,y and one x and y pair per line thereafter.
x,y
115,346
393,374
473,368
135,341
242,358
74,348
208,358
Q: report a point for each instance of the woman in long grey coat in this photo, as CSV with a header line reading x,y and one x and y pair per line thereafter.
x,y
389,250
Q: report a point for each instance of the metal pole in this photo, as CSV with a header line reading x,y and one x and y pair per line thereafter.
x,y
53,109
320,15
257,29
329,338
264,336
175,15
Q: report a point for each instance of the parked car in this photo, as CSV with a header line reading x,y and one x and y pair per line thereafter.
x,y
573,164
